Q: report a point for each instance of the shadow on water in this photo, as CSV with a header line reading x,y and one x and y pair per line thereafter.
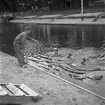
x,y
66,36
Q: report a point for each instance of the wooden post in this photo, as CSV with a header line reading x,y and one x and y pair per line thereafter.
x,y
81,6
82,10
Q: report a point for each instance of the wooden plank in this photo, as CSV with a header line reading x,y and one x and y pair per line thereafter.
x,y
45,64
72,71
12,98
3,91
99,2
8,91
28,90
16,91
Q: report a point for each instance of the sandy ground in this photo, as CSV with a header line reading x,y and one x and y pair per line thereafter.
x,y
53,91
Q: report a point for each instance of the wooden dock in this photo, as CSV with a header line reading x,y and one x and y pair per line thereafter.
x,y
17,94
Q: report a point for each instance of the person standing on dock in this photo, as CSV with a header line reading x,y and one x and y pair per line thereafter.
x,y
20,42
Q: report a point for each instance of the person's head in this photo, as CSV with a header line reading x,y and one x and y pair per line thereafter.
x,y
28,30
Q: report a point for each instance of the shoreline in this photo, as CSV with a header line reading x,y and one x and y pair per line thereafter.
x,y
53,93
59,19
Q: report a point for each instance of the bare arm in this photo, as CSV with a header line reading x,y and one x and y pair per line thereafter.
x,y
32,39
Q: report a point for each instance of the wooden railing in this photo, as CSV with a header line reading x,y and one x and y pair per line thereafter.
x,y
99,2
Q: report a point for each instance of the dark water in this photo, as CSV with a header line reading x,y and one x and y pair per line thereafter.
x,y
66,36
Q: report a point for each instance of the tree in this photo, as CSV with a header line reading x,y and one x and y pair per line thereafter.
x,y
8,5
58,3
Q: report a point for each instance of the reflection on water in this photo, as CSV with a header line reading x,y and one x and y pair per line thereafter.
x,y
65,36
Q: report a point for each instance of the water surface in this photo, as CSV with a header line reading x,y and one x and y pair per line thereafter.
x,y
66,36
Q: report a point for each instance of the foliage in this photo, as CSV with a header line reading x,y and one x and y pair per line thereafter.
x,y
8,5
24,5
